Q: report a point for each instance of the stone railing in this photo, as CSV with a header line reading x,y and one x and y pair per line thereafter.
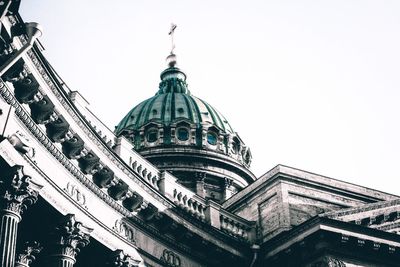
x,y
148,172
120,145
139,165
183,197
206,210
237,226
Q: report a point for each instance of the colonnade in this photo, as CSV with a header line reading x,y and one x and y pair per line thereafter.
x,y
17,193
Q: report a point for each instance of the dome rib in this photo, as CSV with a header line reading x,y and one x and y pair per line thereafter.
x,y
172,108
173,101
163,107
191,110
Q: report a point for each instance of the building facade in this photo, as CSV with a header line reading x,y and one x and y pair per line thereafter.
x,y
171,186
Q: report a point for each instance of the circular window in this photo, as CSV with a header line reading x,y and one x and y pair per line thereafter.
x,y
211,138
152,135
182,134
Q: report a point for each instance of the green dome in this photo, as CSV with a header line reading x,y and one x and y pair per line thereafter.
x,y
173,102
184,135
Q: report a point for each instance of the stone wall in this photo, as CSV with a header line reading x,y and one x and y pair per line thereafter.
x,y
286,197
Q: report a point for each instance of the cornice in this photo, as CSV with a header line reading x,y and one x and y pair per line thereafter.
x,y
77,205
92,134
363,208
276,175
176,150
324,224
25,118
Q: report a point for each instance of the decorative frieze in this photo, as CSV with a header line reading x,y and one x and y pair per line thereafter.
x,y
53,150
170,258
150,178
76,194
22,144
124,230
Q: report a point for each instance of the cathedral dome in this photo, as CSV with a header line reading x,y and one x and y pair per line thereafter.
x,y
172,103
174,124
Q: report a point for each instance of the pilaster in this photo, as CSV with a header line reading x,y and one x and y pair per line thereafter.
x,y
212,213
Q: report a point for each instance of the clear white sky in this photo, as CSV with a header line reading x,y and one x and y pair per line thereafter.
x,y
309,84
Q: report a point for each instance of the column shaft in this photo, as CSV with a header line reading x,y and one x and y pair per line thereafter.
x,y
8,239
61,260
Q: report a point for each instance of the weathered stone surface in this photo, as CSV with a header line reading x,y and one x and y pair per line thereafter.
x,y
287,197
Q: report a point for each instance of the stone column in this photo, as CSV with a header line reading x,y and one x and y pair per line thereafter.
x,y
70,236
17,192
120,259
26,257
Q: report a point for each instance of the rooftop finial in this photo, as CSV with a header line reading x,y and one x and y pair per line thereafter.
x,y
171,32
171,59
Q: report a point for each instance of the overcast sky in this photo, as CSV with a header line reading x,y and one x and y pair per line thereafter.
x,y
310,84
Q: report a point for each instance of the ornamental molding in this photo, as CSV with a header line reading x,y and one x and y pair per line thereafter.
x,y
5,154
137,222
22,144
37,132
170,258
73,191
364,208
91,134
125,231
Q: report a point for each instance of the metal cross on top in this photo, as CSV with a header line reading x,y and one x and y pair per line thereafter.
x,y
171,32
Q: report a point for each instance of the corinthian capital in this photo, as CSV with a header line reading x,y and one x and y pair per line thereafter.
x,y
329,262
120,259
72,235
27,256
17,189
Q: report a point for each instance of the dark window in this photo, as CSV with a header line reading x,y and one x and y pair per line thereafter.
x,y
235,147
183,134
211,138
152,135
